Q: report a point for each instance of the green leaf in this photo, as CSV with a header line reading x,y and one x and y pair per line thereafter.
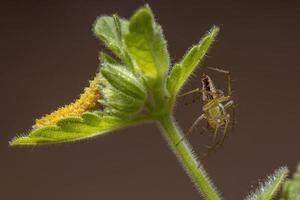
x,y
269,189
123,93
124,80
291,188
120,101
110,30
146,45
181,71
72,129
105,58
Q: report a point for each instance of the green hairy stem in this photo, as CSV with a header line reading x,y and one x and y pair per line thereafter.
x,y
185,155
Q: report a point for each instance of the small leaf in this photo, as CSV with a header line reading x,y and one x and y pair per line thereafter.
x,y
109,29
120,101
181,71
105,58
146,45
291,188
269,189
124,80
72,129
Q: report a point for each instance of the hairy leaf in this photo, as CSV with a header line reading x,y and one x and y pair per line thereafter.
x,y
105,58
271,186
120,101
123,80
291,188
146,45
110,31
72,129
191,60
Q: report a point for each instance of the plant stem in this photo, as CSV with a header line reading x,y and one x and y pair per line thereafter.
x,y
184,153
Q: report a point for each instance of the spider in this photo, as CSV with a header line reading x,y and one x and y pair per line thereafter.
x,y
215,109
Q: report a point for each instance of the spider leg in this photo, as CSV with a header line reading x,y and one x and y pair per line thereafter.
x,y
215,135
191,128
212,148
230,104
204,130
233,122
221,142
218,70
229,91
190,92
227,73
193,91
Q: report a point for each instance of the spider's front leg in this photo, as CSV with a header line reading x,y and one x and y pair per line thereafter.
x,y
197,90
190,92
227,74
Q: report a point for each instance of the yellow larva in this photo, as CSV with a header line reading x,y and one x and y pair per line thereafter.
x,y
87,100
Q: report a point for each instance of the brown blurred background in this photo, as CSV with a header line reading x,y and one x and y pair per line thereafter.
x,y
48,53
